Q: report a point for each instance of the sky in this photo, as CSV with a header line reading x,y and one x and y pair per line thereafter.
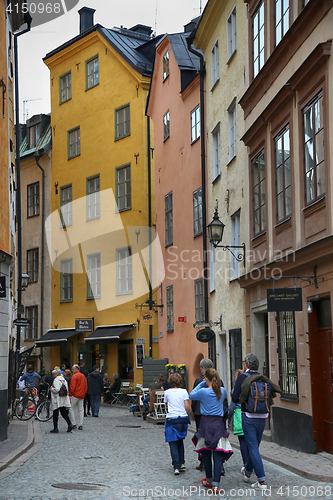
x,y
34,79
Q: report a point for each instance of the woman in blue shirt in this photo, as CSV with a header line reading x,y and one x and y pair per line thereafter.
x,y
212,436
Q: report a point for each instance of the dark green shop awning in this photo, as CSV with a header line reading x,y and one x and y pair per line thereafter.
x,y
108,334
55,337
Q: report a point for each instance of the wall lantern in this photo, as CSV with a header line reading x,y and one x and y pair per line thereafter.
x,y
24,281
215,235
309,306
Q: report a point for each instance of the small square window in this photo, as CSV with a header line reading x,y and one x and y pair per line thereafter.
x,y
92,72
74,148
166,125
122,122
166,58
195,124
65,87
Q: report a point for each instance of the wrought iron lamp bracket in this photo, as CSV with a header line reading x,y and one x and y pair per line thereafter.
x,y
239,256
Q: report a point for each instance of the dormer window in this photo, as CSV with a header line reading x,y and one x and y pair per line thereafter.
x,y
33,135
166,58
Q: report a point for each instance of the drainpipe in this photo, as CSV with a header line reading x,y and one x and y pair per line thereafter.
x,y
28,20
202,72
150,238
37,156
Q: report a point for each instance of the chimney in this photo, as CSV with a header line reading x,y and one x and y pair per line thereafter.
x,y
86,18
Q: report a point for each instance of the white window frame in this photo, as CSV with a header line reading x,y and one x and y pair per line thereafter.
x,y
199,300
195,124
66,270
124,269
216,151
65,87
235,241
93,199
197,211
92,72
232,129
282,20
257,47
215,60
66,205
166,125
231,33
94,276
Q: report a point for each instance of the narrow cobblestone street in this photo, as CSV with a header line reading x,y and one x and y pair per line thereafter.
x,y
119,456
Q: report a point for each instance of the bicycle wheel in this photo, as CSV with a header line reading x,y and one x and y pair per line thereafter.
x,y
43,412
25,409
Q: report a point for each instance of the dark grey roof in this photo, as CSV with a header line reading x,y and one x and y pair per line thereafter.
x,y
134,45
185,59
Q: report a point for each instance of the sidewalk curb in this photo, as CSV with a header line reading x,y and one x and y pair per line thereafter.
x,y
11,457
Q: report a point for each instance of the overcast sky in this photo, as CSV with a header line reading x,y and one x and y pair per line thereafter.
x,y
34,76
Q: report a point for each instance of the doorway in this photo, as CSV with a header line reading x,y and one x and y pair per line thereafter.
x,y
321,366
86,353
259,341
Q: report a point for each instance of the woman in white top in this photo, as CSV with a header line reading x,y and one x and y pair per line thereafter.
x,y
176,422
59,403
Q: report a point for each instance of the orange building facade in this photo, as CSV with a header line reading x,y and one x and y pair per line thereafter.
x,y
174,108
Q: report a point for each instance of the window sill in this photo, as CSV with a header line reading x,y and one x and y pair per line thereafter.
x,y
166,77
92,87
232,56
197,234
94,297
212,291
65,301
123,210
166,138
31,216
93,218
283,225
314,205
214,84
170,331
216,178
231,160
75,156
63,102
168,245
122,137
292,399
120,294
195,140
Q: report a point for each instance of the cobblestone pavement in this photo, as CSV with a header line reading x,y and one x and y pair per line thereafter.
x,y
119,456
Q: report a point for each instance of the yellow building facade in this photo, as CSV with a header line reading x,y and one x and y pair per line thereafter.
x,y
98,235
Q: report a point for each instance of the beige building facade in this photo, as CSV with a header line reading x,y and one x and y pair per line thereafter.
x,y
221,36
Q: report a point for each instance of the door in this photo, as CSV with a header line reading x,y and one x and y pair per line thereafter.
x,y
321,365
86,353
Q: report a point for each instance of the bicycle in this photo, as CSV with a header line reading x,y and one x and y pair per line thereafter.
x,y
25,408
43,410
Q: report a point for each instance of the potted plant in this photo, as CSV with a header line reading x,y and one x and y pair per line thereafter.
x,y
181,368
171,368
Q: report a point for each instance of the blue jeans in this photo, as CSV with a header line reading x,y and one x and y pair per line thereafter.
x,y
146,402
177,453
243,449
207,460
253,429
95,402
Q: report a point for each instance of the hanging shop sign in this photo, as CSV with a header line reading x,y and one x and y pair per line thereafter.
x,y
2,287
147,317
22,321
83,325
205,335
284,299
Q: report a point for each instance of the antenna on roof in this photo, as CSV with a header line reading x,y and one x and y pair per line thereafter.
x,y
200,6
156,19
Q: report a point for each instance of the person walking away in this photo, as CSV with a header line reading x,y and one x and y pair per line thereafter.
x,y
204,364
95,390
176,421
30,376
86,403
59,403
235,412
212,436
77,391
253,418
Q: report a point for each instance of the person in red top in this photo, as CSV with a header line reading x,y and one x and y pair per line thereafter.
x,y
77,391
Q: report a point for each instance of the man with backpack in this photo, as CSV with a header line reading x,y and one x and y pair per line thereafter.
x,y
255,392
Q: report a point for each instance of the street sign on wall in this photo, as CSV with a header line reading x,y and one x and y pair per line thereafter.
x,y
284,299
83,325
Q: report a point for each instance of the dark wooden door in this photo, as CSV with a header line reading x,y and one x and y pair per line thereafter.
x,y
321,364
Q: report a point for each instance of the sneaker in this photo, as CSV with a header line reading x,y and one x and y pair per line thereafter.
x,y
80,428
246,478
176,472
215,490
70,428
259,486
182,468
54,431
204,483
74,426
